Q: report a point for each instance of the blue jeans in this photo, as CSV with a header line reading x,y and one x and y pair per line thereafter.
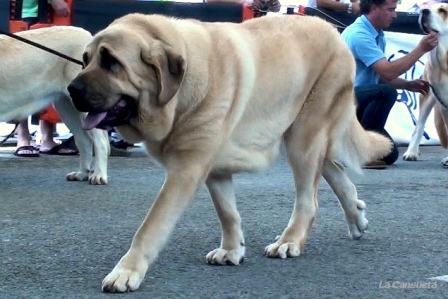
x,y
31,21
374,103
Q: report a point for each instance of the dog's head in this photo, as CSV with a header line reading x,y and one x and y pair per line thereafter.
x,y
129,70
434,18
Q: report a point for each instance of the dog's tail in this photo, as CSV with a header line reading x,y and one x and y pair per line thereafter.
x,y
358,146
441,129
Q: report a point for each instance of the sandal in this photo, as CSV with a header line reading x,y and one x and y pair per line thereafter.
x,y
56,150
377,164
26,148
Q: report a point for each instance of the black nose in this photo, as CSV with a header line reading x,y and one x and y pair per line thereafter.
x,y
424,11
77,91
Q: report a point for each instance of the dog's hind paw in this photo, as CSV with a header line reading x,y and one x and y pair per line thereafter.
x,y
358,227
77,176
98,179
282,249
221,256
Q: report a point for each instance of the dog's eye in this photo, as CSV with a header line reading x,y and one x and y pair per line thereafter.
x,y
108,61
442,12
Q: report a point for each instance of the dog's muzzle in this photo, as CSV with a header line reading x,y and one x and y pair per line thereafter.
x,y
423,21
78,93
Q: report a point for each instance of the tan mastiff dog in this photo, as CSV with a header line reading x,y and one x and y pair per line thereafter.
x,y
436,72
213,99
31,79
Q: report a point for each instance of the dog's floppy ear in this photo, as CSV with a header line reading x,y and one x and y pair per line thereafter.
x,y
170,69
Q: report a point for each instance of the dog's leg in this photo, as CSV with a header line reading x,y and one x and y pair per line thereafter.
x,y
412,152
232,247
345,190
444,113
102,150
305,155
175,195
73,119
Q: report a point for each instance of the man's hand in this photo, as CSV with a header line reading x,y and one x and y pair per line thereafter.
x,y
418,85
428,42
60,7
356,8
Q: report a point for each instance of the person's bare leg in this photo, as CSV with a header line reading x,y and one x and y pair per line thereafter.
x,y
48,142
23,138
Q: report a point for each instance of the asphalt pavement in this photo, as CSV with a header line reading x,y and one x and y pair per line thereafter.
x,y
59,239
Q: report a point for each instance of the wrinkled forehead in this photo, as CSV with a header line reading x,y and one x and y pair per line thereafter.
x,y
439,8
117,39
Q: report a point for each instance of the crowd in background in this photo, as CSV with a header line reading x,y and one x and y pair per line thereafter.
x,y
354,7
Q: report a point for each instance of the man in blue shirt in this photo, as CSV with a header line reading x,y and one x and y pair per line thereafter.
x,y
377,78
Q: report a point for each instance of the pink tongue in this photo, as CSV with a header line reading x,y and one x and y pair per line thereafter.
x,y
92,120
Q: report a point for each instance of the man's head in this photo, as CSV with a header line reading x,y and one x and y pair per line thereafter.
x,y
380,13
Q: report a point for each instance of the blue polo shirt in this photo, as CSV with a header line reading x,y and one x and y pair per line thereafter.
x,y
367,45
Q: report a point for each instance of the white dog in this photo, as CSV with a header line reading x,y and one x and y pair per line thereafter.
x,y
436,72
31,79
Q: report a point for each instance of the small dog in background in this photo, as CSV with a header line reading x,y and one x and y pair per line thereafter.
x,y
436,72
31,79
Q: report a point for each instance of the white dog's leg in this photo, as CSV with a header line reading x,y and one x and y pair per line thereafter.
x,y
85,141
412,152
232,247
73,120
102,150
177,191
445,119
345,190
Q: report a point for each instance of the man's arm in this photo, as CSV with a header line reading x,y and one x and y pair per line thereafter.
x,y
60,7
391,70
399,83
338,6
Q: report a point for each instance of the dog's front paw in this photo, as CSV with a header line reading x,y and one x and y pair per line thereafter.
x,y
98,179
79,176
409,156
360,223
127,275
121,280
221,256
281,249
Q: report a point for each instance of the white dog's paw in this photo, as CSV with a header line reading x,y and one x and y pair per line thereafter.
x,y
409,156
79,176
221,256
357,228
97,179
121,280
444,162
282,249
